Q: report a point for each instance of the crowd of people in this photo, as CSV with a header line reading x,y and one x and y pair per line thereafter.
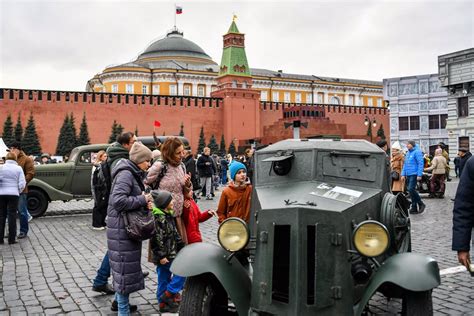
x,y
412,171
166,183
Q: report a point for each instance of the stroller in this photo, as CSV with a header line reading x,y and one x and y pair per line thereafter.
x,y
424,186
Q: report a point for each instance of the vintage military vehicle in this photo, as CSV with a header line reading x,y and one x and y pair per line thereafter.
x,y
325,235
70,180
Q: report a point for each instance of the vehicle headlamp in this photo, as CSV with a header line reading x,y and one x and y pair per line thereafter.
x,y
371,238
233,234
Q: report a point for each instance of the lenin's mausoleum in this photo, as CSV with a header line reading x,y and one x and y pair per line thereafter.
x,y
176,82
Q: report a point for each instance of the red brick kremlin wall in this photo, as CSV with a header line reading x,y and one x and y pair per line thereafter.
x,y
50,107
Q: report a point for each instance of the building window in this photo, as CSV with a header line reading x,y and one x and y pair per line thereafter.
x,y
379,102
463,107
187,90
173,90
298,97
351,100
434,121
275,96
335,100
361,101
213,88
370,102
115,88
443,119
414,123
129,88
286,97
156,89
403,124
320,98
263,95
201,91
309,98
464,142
234,83
244,84
144,89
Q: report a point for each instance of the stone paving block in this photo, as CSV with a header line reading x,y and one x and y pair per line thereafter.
x,y
35,309
86,307
50,303
14,303
52,311
70,307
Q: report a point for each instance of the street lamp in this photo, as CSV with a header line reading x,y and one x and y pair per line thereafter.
x,y
368,122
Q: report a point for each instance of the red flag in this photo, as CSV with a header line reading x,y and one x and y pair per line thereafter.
x,y
157,123
179,10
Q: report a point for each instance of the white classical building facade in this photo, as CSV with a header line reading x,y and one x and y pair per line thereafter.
x,y
456,74
418,110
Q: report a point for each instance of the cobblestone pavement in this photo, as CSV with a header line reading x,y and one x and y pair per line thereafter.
x,y
51,271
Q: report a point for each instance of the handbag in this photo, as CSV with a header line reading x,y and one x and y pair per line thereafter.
x,y
395,175
140,223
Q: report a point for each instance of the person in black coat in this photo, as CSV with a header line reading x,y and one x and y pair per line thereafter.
x,y
463,214
206,169
465,155
190,164
127,194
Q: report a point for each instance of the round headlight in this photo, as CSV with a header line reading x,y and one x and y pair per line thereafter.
x,y
233,234
371,238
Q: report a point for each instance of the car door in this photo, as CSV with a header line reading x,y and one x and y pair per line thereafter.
x,y
81,182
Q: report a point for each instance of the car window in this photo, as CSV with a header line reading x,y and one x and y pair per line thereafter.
x,y
85,157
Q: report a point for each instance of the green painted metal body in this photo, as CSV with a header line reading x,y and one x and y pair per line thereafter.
x,y
410,271
200,258
302,223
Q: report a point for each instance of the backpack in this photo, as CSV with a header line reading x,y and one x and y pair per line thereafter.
x,y
102,182
164,168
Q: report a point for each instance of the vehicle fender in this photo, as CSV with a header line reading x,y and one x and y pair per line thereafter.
x,y
53,193
199,258
410,271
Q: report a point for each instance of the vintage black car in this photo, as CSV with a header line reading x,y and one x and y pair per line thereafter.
x,y
70,180
325,235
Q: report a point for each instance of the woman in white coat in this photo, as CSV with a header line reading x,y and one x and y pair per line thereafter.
x,y
12,183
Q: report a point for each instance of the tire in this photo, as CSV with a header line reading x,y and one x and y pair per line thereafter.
x,y
203,295
37,202
417,303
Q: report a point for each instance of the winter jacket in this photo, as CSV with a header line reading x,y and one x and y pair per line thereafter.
x,y
438,165
172,181
28,166
446,157
192,216
396,164
167,242
124,253
463,161
414,162
205,166
463,212
115,152
235,202
190,164
12,179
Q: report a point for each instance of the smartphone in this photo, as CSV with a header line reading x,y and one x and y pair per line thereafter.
x,y
470,268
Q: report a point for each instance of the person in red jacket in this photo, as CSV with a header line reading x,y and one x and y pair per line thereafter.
x,y
192,216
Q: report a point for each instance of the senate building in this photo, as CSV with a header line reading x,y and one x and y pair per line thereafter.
x,y
177,66
176,82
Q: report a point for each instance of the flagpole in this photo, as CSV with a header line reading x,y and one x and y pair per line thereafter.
x,y
175,15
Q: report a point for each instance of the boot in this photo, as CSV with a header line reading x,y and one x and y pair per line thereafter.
x,y
169,299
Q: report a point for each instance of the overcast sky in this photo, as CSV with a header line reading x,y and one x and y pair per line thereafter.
x,y
59,45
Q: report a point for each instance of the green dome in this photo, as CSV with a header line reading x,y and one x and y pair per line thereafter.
x,y
174,45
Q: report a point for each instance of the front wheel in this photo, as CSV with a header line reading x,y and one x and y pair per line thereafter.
x,y
203,295
37,202
417,303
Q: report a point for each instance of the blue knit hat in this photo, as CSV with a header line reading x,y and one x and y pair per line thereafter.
x,y
235,166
